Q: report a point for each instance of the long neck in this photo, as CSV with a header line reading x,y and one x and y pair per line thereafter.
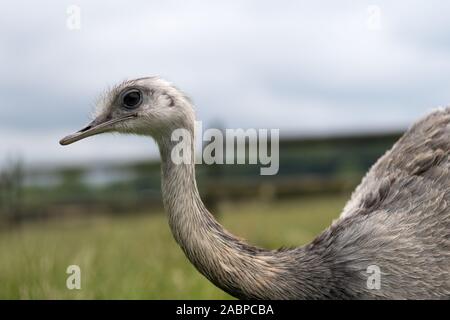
x,y
242,270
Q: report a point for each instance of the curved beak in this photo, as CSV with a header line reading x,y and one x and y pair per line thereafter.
x,y
97,126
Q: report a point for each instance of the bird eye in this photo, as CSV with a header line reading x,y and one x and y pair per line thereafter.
x,y
132,99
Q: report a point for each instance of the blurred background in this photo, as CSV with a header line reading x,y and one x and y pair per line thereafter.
x,y
341,80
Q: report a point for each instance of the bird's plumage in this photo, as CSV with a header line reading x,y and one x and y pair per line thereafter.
x,y
399,216
398,219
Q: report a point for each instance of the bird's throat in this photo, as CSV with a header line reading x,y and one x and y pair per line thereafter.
x,y
233,265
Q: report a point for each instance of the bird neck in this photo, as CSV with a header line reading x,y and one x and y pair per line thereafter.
x,y
238,268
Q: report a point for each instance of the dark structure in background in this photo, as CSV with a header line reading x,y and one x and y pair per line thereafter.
x,y
12,191
307,166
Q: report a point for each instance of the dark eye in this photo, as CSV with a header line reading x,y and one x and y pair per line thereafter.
x,y
132,99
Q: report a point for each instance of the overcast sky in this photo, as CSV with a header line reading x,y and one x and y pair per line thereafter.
x,y
303,67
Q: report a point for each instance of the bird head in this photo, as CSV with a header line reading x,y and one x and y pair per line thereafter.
x,y
144,106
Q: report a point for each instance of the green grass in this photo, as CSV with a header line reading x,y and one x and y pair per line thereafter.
x,y
135,257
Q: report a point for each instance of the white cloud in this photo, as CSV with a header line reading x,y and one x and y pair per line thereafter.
x,y
298,66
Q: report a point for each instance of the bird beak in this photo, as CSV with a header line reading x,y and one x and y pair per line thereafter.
x,y
99,125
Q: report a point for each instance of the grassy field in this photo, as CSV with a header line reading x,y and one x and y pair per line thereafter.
x,y
135,257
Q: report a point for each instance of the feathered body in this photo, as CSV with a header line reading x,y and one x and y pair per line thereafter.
x,y
398,219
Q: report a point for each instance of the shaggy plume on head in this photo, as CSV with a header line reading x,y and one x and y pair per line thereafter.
x,y
146,106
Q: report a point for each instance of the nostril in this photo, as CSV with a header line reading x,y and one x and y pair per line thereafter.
x,y
85,129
